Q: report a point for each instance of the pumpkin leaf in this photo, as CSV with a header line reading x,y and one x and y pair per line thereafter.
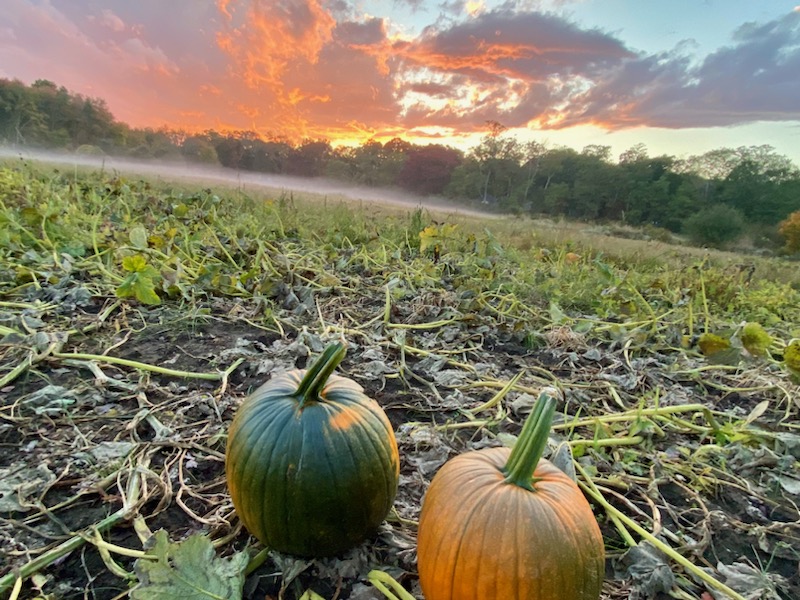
x,y
562,458
648,569
138,237
557,316
718,350
140,281
428,237
433,236
749,581
188,570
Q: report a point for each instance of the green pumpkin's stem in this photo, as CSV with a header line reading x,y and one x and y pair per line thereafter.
x,y
315,378
531,443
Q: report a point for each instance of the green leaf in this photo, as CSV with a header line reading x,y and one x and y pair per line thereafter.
x,y
139,286
432,236
140,282
428,237
189,570
557,316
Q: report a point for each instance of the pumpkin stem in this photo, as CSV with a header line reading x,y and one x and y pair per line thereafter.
x,y
528,450
315,378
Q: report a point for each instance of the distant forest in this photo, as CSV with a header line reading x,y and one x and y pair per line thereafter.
x,y
713,198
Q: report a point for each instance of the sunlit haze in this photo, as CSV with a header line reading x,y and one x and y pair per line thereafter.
x,y
681,77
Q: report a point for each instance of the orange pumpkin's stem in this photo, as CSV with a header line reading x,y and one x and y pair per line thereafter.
x,y
528,450
315,378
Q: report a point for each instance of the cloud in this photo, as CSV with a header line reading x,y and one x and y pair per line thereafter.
x,y
513,67
112,21
129,72
321,68
312,76
753,79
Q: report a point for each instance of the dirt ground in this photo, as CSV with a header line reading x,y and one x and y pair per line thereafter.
x,y
73,430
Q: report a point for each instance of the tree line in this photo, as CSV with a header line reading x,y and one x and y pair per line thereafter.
x,y
712,197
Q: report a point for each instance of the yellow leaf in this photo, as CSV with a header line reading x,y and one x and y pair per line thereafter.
x,y
755,339
710,344
428,237
791,356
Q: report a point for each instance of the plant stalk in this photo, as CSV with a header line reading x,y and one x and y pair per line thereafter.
x,y
528,450
315,378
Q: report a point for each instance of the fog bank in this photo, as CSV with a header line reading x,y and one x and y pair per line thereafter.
x,y
246,180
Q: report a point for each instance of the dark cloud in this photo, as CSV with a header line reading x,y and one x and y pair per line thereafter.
x,y
757,78
430,88
514,66
369,32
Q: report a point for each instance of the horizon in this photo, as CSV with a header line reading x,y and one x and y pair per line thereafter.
x,y
682,80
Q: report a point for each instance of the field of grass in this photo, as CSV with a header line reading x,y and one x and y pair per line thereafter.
x,y
136,314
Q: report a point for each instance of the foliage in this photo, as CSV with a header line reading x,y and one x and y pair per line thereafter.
x,y
715,226
189,569
140,281
790,230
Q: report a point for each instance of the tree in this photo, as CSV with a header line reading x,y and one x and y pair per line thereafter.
x,y
596,188
498,159
309,158
636,153
428,169
21,121
532,153
758,186
374,165
198,148
229,150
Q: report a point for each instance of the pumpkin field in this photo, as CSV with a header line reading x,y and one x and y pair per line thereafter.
x,y
138,314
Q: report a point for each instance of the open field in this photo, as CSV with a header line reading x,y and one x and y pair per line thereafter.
x,y
137,313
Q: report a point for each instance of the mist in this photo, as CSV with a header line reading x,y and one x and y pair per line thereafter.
x,y
243,180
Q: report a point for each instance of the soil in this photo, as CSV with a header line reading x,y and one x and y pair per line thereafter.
x,y
93,426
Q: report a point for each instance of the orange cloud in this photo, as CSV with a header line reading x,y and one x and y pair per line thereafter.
x,y
265,40
272,35
310,76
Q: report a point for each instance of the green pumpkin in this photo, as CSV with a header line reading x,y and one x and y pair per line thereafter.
x,y
312,462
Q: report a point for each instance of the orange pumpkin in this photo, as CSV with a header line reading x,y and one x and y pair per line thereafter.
x,y
508,525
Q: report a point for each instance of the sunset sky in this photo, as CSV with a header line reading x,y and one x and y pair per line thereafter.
x,y
683,76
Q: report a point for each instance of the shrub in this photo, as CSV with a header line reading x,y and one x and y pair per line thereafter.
x,y
789,228
714,226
